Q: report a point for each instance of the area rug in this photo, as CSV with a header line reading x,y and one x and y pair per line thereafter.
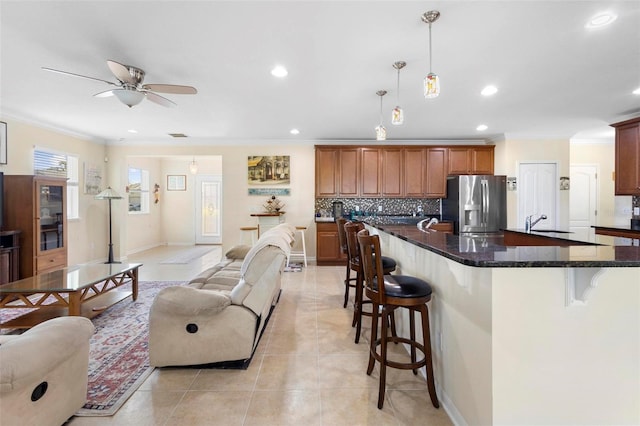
x,y
118,354
188,255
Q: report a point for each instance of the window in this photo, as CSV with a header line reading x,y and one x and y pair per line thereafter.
x,y
61,165
138,189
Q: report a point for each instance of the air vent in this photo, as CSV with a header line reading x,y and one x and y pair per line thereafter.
x,y
178,135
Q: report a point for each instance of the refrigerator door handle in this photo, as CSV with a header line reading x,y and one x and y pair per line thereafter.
x,y
485,202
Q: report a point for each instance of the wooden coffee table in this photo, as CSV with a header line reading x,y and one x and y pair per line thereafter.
x,y
83,290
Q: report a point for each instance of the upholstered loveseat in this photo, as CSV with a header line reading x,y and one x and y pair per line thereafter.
x,y
44,372
219,316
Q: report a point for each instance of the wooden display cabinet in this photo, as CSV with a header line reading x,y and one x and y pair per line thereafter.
x,y
37,206
627,177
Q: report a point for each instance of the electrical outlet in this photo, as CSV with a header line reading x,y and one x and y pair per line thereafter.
x,y
357,208
636,211
379,208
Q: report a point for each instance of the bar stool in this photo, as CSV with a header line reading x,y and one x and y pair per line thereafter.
x,y
303,252
392,292
342,239
244,230
388,266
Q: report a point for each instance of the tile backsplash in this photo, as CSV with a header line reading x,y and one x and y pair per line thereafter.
x,y
390,206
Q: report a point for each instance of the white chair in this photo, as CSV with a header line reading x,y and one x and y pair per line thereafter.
x,y
303,252
254,233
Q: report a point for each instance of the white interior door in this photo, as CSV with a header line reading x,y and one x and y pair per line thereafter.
x,y
583,198
208,209
538,193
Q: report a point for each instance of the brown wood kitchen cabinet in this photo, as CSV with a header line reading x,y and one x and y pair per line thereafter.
x,y
471,160
392,172
327,245
327,163
370,175
436,172
627,180
37,206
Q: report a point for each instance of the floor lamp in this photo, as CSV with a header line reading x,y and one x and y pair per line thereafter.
x,y
109,194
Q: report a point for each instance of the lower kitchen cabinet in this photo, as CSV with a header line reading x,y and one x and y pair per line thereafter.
x,y
327,245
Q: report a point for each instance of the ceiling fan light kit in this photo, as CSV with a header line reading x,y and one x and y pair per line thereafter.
x,y
130,90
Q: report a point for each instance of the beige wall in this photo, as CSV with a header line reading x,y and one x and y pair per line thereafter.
x,y
177,209
87,236
510,153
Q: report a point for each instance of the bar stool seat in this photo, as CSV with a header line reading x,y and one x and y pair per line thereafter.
x,y
302,253
388,266
244,230
388,293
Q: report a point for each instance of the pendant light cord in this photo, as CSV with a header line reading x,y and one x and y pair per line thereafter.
x,y
398,89
430,54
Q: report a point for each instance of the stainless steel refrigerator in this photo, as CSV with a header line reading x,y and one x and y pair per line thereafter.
x,y
476,204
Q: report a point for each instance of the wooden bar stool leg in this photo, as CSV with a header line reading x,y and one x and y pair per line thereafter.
x,y
383,356
375,314
426,339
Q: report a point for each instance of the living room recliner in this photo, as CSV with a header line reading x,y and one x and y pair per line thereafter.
x,y
44,372
219,316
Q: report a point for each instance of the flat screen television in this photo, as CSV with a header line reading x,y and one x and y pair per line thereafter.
x,y
1,201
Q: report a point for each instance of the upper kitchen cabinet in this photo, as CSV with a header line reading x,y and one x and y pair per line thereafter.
x,y
628,157
370,177
471,160
392,172
349,175
436,172
327,172
415,171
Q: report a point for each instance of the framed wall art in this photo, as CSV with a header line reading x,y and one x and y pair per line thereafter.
x,y
176,182
3,142
269,170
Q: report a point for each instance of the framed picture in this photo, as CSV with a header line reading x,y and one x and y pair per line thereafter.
x,y
176,182
269,170
3,142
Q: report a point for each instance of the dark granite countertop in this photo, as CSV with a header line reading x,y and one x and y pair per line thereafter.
x,y
488,251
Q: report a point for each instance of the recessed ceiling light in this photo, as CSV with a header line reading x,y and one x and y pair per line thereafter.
x,y
294,131
489,90
601,20
482,127
132,131
637,91
279,71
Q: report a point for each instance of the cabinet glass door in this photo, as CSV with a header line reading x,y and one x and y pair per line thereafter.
x,y
51,205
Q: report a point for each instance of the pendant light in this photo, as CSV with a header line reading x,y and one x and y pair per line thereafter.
x,y
397,115
431,81
381,132
193,167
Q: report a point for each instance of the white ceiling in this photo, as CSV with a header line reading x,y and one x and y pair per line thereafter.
x,y
556,79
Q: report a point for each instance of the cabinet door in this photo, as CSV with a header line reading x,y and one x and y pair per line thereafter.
x,y
349,172
392,172
327,172
436,173
328,245
51,211
458,161
628,160
482,161
370,176
415,176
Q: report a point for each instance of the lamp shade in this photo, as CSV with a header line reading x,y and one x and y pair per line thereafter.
x,y
108,194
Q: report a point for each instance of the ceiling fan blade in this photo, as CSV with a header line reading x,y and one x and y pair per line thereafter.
x,y
121,72
171,88
78,75
160,100
104,94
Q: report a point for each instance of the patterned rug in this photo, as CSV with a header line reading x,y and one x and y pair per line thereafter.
x,y
118,354
189,255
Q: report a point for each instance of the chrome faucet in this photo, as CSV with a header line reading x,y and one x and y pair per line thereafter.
x,y
529,223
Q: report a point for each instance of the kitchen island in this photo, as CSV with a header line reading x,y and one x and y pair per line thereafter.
x,y
528,335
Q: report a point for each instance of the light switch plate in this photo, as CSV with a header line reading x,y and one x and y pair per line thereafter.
x,y
636,211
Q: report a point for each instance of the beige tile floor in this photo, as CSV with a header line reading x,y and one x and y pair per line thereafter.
x,y
306,371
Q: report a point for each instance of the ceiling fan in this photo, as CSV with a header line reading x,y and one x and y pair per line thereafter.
x,y
129,88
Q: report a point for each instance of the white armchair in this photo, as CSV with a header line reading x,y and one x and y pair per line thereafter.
x,y
44,372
